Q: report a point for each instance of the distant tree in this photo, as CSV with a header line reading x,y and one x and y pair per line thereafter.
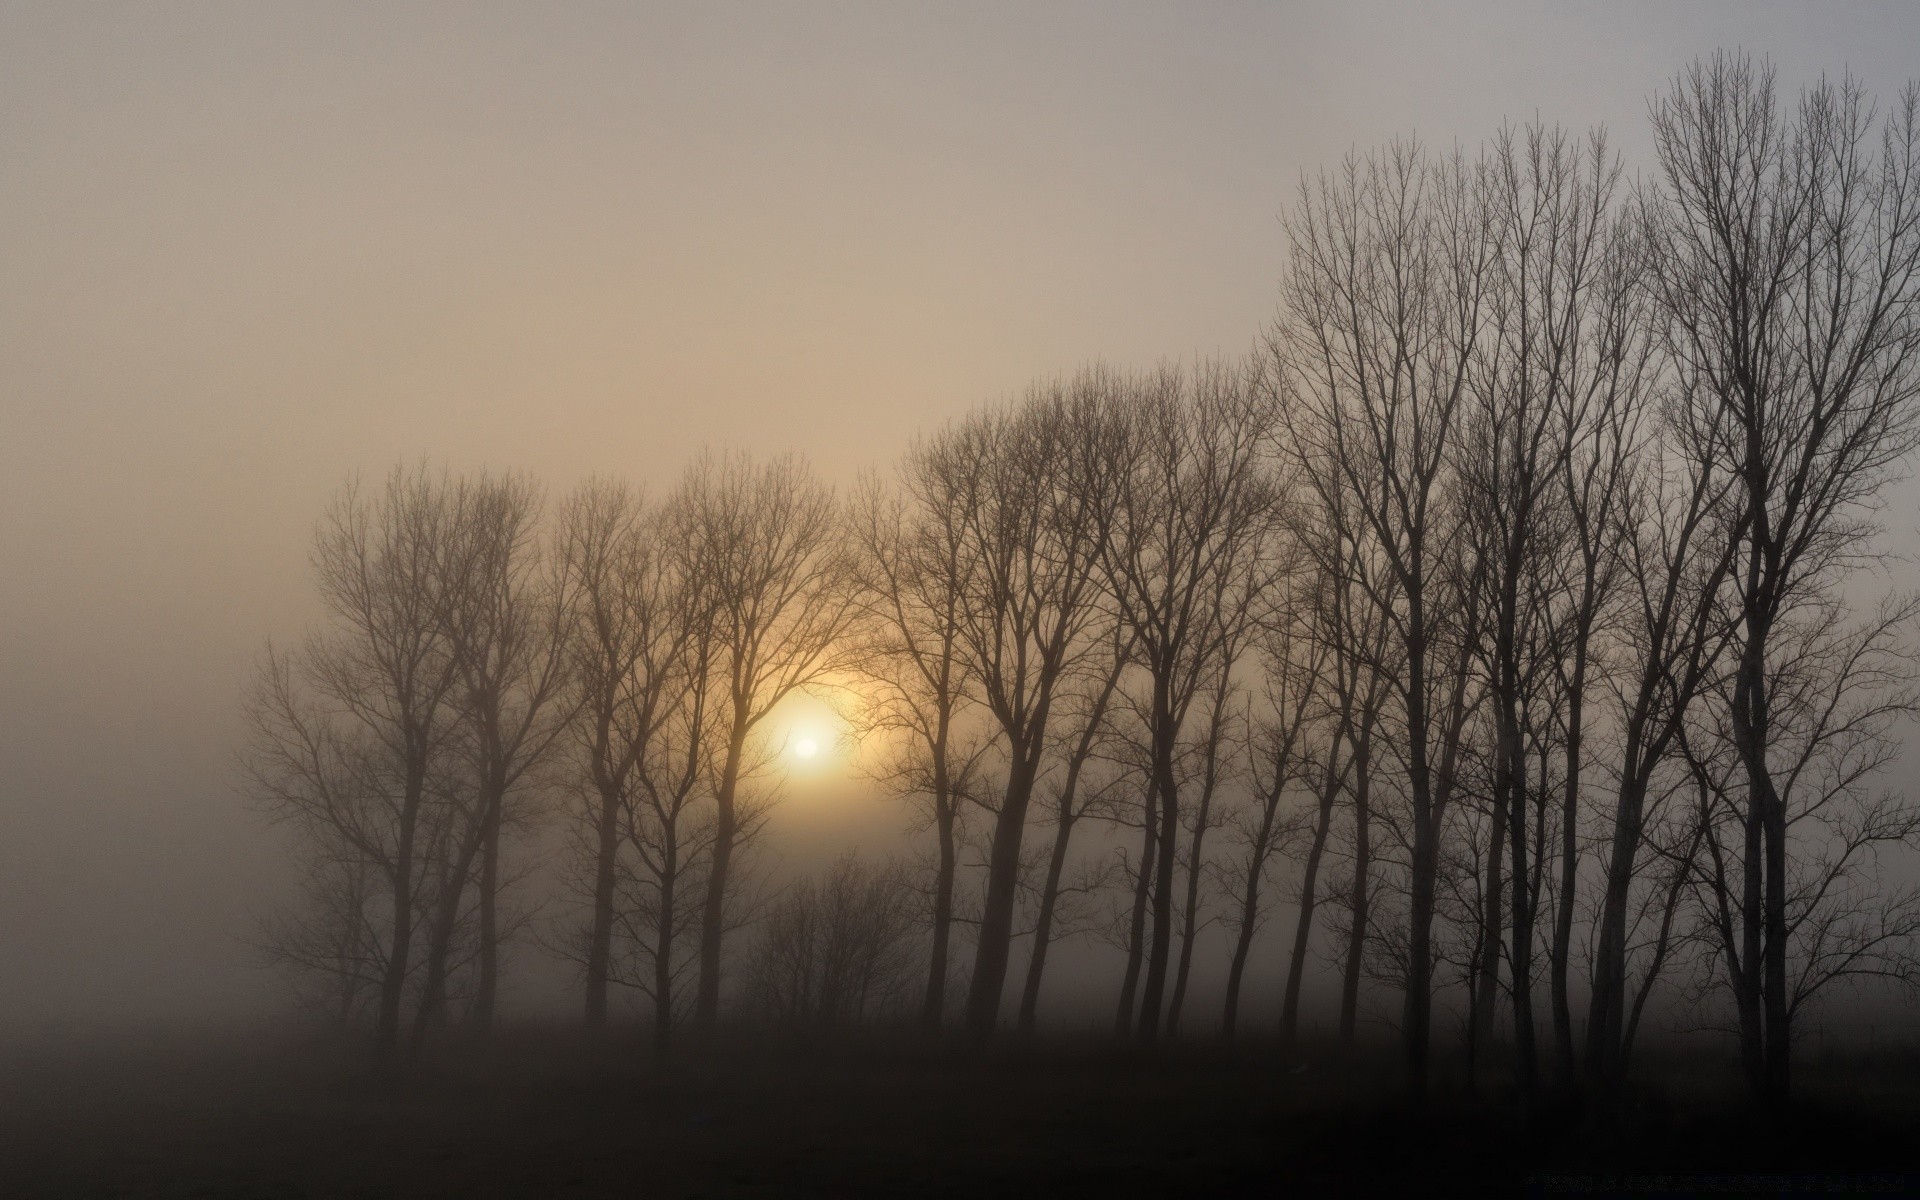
x,y
836,951
331,938
347,731
639,676
508,603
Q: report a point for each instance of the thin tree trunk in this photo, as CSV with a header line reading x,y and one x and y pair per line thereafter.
x,y
1309,882
1243,941
1357,895
1057,861
1492,921
600,936
393,981
713,917
1194,861
1043,928
1137,931
489,920
663,947
996,916
1562,950
1521,966
1424,865
933,1004
433,991
1167,793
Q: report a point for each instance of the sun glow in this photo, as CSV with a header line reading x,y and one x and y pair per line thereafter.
x,y
810,737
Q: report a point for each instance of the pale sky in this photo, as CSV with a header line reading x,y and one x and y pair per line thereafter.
x,y
249,248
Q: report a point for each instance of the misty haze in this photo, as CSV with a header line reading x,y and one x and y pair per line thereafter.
x,y
963,600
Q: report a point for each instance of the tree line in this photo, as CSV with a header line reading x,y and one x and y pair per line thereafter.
x,y
1512,614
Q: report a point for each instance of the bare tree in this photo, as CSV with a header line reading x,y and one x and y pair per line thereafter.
x,y
1600,431
1384,296
508,603
1279,754
766,539
1787,266
910,555
1561,340
1836,688
639,673
346,730
1026,542
1187,505
1675,558
1072,799
837,951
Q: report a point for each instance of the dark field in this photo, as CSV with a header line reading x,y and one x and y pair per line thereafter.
x,y
537,1115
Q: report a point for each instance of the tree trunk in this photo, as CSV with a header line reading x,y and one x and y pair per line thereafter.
x,y
1521,967
1137,931
1606,1007
1487,962
663,948
933,1005
1766,866
1194,861
713,916
453,886
996,915
1424,856
600,936
1303,925
1043,928
393,981
1357,896
1562,950
489,919
1166,791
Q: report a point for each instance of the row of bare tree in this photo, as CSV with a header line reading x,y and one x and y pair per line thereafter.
x,y
1509,605
476,665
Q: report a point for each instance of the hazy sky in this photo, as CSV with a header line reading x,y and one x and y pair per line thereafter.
x,y
246,249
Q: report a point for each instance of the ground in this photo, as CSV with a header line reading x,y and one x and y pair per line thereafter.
x,y
539,1115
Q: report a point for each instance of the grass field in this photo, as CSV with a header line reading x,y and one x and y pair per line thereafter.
x,y
542,1115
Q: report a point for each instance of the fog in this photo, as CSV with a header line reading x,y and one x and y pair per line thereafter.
x,y
247,251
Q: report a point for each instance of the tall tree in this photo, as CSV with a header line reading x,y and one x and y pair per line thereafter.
x,y
509,601
1073,796
1788,267
1280,755
1384,304
1029,602
638,678
1187,505
767,541
909,585
1560,337
348,731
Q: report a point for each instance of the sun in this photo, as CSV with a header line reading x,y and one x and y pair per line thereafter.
x,y
806,747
